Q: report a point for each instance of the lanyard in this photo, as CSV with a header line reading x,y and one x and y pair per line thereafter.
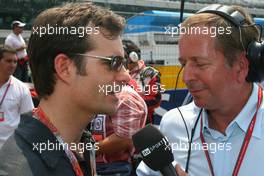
x,y
41,116
7,88
245,143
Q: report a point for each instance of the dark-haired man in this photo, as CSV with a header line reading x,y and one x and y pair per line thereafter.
x,y
69,69
15,98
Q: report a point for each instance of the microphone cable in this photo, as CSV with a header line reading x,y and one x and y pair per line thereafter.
x,y
177,78
190,138
176,85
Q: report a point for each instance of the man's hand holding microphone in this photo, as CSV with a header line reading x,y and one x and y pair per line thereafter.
x,y
156,151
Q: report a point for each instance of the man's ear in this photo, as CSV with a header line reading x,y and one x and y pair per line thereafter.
x,y
242,67
64,67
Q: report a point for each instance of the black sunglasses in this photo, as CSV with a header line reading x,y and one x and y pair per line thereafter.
x,y
116,62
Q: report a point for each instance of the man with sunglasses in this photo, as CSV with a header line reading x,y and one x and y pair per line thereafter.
x,y
220,133
15,98
68,71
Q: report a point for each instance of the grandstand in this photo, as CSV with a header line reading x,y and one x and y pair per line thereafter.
x,y
255,6
26,10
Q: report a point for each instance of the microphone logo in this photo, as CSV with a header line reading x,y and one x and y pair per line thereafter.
x,y
146,152
163,142
167,144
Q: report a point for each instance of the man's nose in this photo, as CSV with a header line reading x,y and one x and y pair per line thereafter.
x,y
188,73
123,76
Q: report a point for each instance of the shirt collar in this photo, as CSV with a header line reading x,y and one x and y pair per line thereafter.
x,y
243,119
7,82
198,127
11,79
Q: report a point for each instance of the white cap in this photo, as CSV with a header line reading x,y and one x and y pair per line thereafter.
x,y
18,23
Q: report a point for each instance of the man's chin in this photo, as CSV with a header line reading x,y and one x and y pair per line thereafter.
x,y
199,103
110,110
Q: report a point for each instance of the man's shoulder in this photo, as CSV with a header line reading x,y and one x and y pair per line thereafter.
x,y
10,38
188,111
21,86
11,35
17,81
33,150
13,159
176,119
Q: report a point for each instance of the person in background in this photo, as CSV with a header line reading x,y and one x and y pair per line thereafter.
x,y
221,132
68,69
15,97
114,133
147,78
16,41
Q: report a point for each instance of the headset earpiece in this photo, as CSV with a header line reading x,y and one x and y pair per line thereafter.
x,y
255,55
255,50
133,56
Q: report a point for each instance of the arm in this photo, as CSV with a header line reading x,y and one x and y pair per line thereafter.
x,y
152,89
26,103
21,48
113,144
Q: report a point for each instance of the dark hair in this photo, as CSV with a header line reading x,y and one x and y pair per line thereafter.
x,y
43,49
6,49
130,46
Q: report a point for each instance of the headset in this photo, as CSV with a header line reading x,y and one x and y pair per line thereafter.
x,y
133,54
255,49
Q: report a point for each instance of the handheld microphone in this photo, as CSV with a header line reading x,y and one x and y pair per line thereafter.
x,y
155,150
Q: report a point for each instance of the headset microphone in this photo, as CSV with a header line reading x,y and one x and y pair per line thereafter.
x,y
155,150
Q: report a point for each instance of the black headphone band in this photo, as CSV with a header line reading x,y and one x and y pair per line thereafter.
x,y
230,14
227,12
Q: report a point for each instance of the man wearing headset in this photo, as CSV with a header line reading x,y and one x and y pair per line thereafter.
x,y
221,132
146,77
